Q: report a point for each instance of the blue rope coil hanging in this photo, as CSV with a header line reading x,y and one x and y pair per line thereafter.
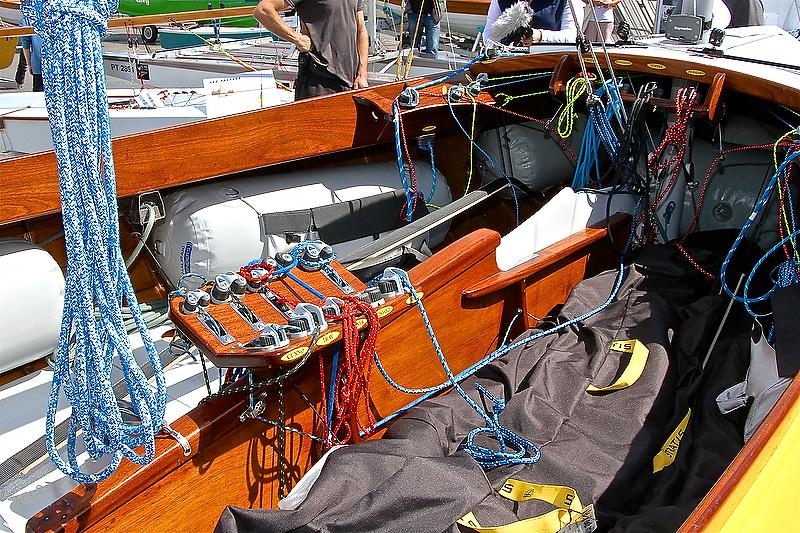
x,y
75,94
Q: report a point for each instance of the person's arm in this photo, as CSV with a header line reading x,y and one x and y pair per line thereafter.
x,y
494,12
568,32
267,12
363,52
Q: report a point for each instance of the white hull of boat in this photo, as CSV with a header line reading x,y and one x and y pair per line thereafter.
x,y
26,129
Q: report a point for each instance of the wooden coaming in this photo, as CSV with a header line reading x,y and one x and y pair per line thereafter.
x,y
624,60
218,472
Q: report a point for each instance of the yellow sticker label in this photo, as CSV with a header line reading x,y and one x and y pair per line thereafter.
x,y
328,338
623,62
669,450
633,370
624,346
296,353
656,66
384,311
361,322
411,300
428,129
588,60
695,72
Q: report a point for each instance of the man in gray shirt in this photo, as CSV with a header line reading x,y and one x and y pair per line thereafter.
x,y
333,44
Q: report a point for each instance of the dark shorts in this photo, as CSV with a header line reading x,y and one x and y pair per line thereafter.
x,y
314,80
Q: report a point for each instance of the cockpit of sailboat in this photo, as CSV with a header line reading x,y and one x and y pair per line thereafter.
x,y
544,292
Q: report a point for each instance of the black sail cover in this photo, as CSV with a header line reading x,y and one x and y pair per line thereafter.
x,y
416,480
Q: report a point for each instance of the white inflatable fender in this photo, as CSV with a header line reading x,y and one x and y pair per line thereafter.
x,y
217,227
32,296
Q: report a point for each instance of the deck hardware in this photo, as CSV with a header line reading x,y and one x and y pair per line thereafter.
x,y
180,439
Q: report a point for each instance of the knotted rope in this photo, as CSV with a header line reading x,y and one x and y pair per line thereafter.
x,y
75,94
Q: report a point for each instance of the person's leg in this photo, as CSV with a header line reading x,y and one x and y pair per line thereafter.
x,y
431,35
592,35
38,83
607,30
22,68
414,33
301,81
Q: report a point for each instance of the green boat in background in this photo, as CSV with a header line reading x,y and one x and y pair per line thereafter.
x,y
161,7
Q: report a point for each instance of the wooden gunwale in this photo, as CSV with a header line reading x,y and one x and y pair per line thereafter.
x,y
328,124
142,20
726,484
209,149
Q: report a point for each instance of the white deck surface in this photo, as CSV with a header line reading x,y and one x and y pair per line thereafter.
x,y
22,407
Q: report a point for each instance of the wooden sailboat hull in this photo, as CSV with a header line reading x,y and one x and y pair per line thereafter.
x,y
233,463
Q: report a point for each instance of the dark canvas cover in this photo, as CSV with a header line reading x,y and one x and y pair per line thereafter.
x,y
415,479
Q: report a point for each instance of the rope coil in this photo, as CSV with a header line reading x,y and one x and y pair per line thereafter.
x,y
75,94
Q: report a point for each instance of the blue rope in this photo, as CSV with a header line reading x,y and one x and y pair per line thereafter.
x,y
399,149
485,154
429,147
332,389
525,451
77,106
747,300
783,277
598,132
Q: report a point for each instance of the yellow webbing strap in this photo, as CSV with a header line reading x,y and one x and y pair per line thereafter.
x,y
568,509
632,372
669,450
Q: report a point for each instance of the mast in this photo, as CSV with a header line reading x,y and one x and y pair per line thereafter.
x,y
372,26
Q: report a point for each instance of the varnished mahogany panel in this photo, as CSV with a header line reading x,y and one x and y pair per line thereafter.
x,y
219,147
233,354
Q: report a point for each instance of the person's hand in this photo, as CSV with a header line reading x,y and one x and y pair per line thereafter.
x,y
303,43
536,37
361,81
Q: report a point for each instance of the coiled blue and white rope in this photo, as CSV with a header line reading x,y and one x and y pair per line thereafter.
x,y
75,94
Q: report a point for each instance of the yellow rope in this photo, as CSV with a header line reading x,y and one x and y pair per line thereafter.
x,y
791,110
508,97
566,120
784,216
413,40
472,142
516,76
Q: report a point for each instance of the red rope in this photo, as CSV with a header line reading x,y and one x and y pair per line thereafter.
x,y
702,196
675,136
355,371
412,171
